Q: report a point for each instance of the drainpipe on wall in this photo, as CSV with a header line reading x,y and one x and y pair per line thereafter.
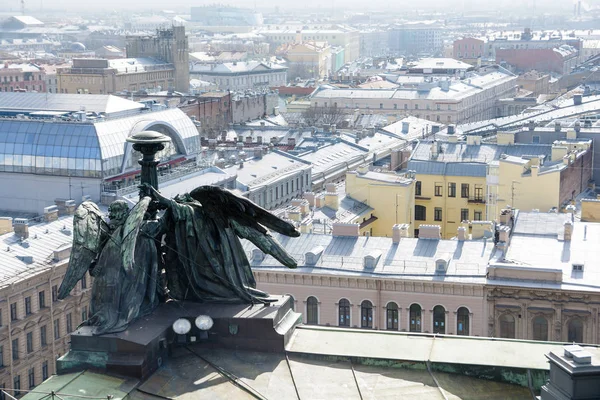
x,y
379,307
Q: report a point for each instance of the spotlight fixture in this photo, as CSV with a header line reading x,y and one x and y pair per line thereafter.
x,y
182,326
204,322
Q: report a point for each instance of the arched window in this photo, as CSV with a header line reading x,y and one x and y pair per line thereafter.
x,y
415,318
439,319
575,331
366,314
344,311
540,328
391,313
507,326
462,321
312,311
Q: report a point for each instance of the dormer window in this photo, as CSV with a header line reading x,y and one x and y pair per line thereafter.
x,y
441,266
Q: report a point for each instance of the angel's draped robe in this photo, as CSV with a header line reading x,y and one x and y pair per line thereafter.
x,y
119,297
204,259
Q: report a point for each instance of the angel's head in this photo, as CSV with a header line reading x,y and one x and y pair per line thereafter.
x,y
118,212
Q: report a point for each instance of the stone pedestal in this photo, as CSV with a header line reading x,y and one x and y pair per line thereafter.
x,y
146,344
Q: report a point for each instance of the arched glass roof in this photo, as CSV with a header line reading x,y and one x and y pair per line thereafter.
x,y
94,149
44,147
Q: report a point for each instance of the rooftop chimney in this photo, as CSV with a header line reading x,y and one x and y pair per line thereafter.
x,y
310,197
396,234
21,227
344,229
50,213
557,126
435,149
430,232
567,230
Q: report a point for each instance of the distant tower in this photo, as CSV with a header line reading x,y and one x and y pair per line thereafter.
x,y
22,7
169,45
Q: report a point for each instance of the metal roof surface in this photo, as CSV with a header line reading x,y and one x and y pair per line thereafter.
x,y
484,153
410,259
43,239
448,169
98,103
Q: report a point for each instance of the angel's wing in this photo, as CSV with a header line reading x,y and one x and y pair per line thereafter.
x,y
89,234
248,220
131,230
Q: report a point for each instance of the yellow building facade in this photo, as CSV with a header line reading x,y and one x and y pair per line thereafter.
x,y
307,59
447,200
543,182
391,196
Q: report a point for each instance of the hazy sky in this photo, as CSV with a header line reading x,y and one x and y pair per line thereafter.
x,y
360,5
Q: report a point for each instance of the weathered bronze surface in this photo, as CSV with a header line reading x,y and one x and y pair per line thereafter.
x,y
191,252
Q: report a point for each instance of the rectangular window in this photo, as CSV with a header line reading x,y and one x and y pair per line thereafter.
x,y
438,189
27,305
17,385
420,213
42,299
437,214
478,192
451,189
477,216
84,282
417,188
464,190
56,329
1,356
535,140
29,342
43,336
54,293
69,323
15,349
84,313
13,312
464,214
44,370
31,374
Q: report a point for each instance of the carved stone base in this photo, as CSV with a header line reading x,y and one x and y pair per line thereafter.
x,y
146,344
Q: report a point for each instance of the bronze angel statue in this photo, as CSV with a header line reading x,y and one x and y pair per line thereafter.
x,y
192,252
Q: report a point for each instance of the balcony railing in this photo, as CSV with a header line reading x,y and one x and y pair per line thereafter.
x,y
476,200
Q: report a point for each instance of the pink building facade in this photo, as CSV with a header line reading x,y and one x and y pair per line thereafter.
x,y
22,78
399,283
